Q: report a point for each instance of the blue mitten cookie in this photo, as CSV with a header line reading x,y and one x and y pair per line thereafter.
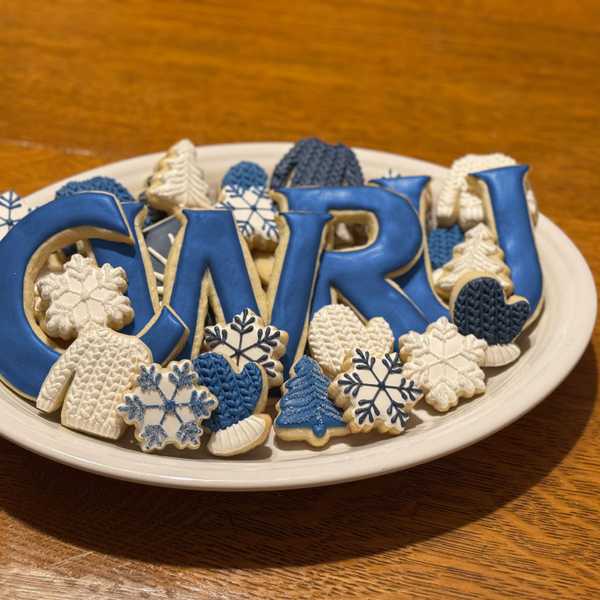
x,y
238,424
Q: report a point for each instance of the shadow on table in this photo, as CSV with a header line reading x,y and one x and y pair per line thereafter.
x,y
227,530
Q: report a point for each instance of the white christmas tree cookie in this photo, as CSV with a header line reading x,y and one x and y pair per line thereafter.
x,y
167,406
178,180
247,339
444,363
83,293
460,198
479,252
335,332
254,212
376,393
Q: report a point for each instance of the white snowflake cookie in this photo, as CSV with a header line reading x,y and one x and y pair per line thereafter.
x,y
444,363
167,406
376,393
254,212
335,332
479,252
247,339
461,197
82,294
178,181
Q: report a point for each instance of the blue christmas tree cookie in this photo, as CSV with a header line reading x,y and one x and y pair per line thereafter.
x,y
12,210
441,242
245,175
479,307
167,406
238,424
305,412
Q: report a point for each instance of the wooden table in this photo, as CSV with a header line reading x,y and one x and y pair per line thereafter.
x,y
514,516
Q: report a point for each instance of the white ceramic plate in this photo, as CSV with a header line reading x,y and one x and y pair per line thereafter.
x,y
558,340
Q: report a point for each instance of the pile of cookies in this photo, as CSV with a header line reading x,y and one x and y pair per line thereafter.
x,y
304,300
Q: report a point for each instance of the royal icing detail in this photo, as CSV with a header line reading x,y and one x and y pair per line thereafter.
x,y
246,339
89,380
167,406
479,252
479,307
460,199
84,293
506,191
305,411
441,242
96,184
335,331
159,239
238,424
178,180
254,213
444,363
245,175
12,210
376,393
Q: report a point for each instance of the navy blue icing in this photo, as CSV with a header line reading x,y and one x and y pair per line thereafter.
x,y
441,242
157,238
27,363
96,184
305,404
415,282
506,190
238,393
245,175
361,275
314,162
480,309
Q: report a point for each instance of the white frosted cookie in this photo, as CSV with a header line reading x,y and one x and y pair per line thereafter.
x,y
178,181
444,363
479,252
376,393
335,331
460,199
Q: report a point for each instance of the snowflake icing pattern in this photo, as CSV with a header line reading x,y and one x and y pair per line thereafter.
x,y
254,212
12,210
247,339
376,393
84,293
445,363
168,406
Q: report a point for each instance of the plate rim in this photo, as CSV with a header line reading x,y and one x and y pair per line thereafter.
x,y
346,468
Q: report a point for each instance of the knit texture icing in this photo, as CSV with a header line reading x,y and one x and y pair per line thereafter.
x,y
245,175
481,309
239,394
314,162
441,241
96,184
92,376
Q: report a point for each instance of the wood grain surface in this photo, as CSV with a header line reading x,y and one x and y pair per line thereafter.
x,y
518,514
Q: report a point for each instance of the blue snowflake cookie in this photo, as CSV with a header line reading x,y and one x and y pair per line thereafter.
x,y
167,406
305,412
238,424
441,242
